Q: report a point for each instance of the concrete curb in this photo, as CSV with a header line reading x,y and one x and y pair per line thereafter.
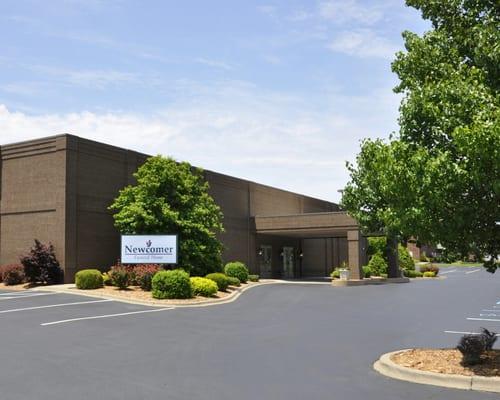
x,y
387,367
70,289
367,281
153,303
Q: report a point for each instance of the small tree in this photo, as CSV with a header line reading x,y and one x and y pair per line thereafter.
x,y
172,197
41,265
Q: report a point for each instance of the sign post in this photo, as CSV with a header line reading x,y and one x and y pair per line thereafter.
x,y
149,249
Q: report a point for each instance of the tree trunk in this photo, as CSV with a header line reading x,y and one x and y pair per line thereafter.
x,y
391,250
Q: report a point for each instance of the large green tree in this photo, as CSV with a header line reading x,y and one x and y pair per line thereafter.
x,y
439,180
173,198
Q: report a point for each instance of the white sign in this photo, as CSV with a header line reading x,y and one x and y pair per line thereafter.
x,y
149,249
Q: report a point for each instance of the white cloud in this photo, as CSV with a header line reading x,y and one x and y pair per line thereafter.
x,y
237,129
348,11
363,43
93,78
214,63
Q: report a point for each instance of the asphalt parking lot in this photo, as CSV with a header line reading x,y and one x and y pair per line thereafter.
x,y
274,342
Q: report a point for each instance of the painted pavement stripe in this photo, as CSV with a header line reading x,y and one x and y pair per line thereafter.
x,y
29,295
105,316
448,272
466,333
484,319
15,293
471,272
54,305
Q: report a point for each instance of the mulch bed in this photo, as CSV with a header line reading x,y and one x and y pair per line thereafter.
x,y
448,361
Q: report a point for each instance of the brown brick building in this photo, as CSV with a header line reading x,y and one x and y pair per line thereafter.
x,y
58,189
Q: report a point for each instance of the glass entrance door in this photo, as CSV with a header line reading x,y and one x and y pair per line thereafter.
x,y
288,262
265,253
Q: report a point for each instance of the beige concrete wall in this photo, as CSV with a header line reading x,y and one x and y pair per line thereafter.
x,y
96,174
58,189
32,197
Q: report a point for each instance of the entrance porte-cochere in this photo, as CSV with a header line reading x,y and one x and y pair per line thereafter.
x,y
307,227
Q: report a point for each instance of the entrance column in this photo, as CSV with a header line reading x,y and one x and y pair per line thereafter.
x,y
356,253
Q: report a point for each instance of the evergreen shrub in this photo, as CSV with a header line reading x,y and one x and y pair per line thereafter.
x,y
171,284
237,269
203,286
220,279
88,279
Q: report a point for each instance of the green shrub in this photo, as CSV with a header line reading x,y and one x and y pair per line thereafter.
x,y
378,265
448,257
405,260
376,245
220,279
171,284
234,281
120,276
367,271
335,274
429,274
253,278
409,273
88,279
237,269
429,268
203,286
12,274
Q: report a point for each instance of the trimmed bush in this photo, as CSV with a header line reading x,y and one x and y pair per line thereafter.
x,y
171,284
429,274
12,274
253,278
120,276
412,274
89,279
220,279
237,269
203,286
378,265
429,268
234,281
405,260
367,271
335,274
41,265
143,274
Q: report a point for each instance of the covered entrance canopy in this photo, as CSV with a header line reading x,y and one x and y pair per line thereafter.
x,y
319,225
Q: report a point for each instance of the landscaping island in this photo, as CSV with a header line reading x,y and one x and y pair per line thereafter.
x,y
442,367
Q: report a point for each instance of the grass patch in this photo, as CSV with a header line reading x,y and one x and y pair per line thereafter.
x,y
460,264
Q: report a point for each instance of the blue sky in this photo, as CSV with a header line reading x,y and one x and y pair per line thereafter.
x,y
279,92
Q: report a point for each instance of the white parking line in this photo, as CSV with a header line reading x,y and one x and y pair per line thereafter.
x,y
471,272
447,272
484,319
28,295
105,316
466,333
54,305
14,293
